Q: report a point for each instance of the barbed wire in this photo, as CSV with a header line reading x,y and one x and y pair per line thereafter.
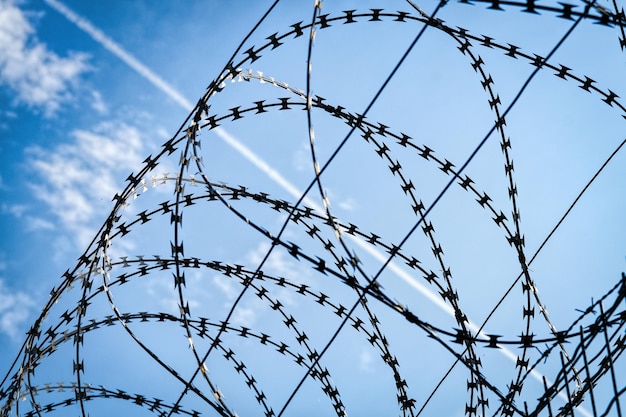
x,y
330,298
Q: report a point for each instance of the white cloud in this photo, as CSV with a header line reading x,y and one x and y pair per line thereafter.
x,y
16,210
227,286
366,361
339,200
160,290
202,291
247,311
279,264
39,77
301,159
97,103
5,116
37,223
199,294
348,204
245,316
14,311
32,223
77,180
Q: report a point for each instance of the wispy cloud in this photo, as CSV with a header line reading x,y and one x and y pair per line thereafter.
x,y
206,289
15,308
16,210
39,77
76,180
5,116
97,103
22,212
366,361
279,263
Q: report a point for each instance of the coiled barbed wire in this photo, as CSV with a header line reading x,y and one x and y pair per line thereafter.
x,y
267,335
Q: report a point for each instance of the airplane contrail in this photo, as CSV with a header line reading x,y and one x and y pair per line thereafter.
x,y
113,47
117,50
145,72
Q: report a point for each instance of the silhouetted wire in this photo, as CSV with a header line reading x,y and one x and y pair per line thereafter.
x,y
206,97
336,151
437,199
467,162
362,291
554,229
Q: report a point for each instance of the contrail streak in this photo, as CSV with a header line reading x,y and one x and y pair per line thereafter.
x,y
145,72
113,47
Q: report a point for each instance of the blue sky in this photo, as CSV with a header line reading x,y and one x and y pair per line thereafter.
x,y
88,90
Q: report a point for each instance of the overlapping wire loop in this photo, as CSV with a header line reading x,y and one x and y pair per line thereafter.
x,y
330,302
